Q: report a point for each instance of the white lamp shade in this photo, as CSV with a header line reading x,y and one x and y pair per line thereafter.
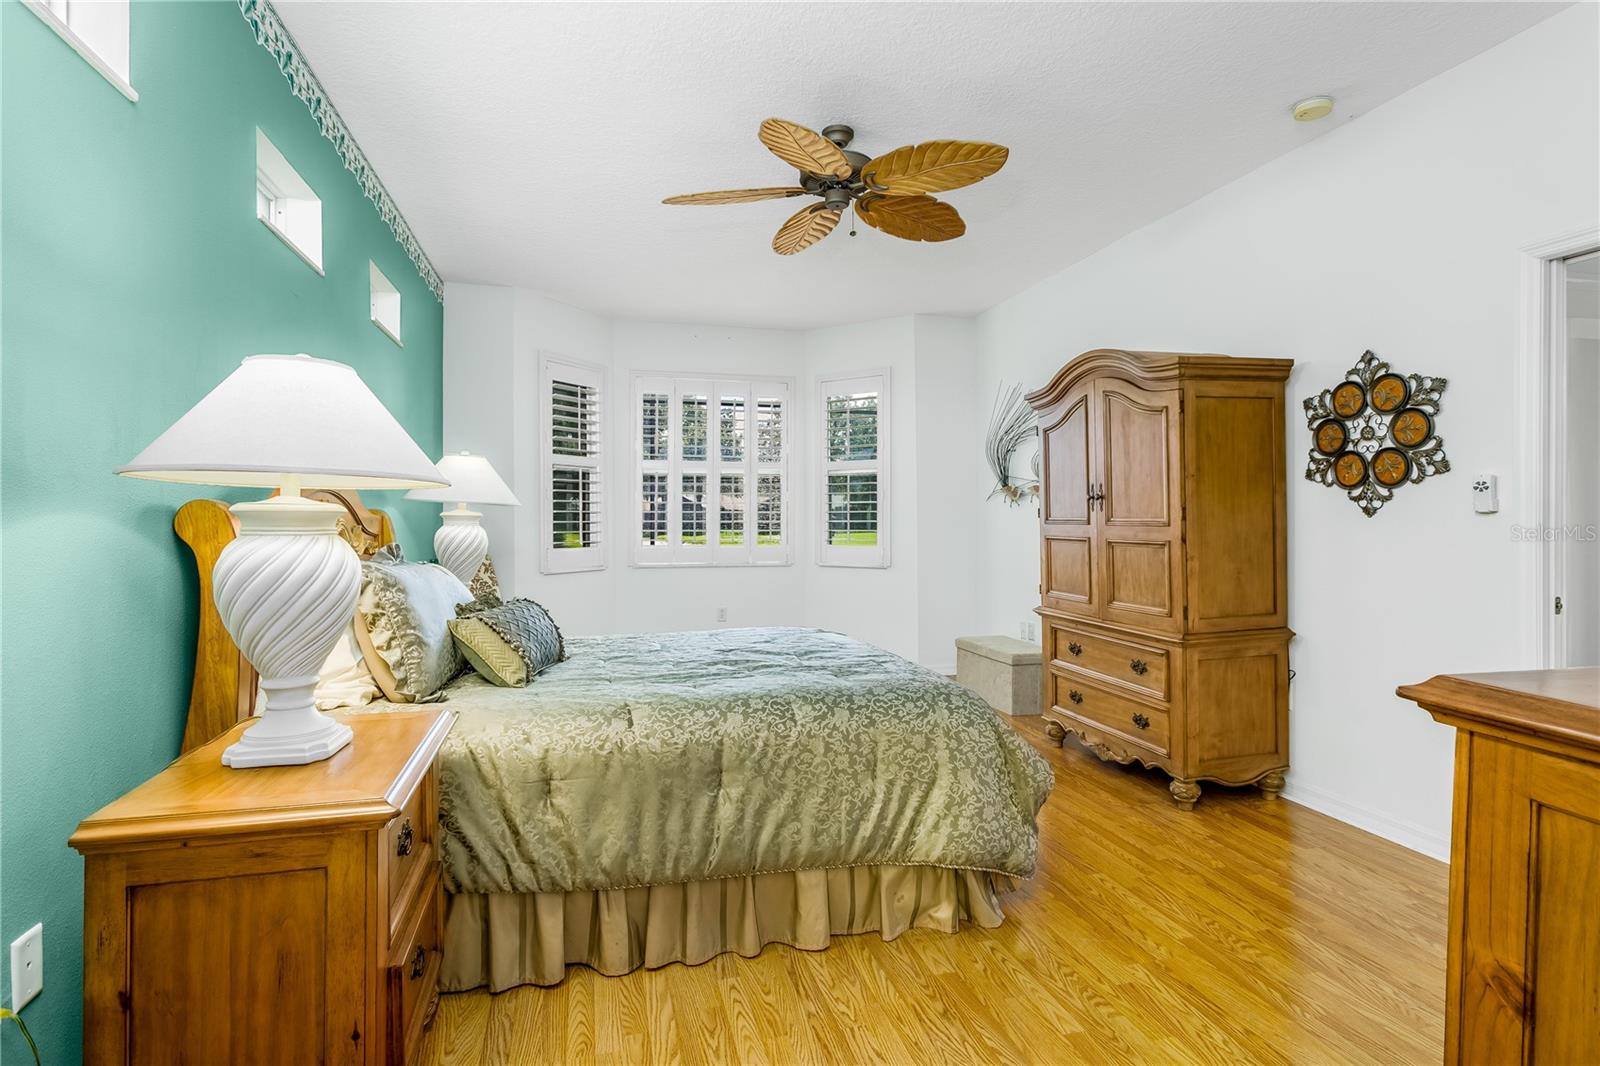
x,y
283,415
472,480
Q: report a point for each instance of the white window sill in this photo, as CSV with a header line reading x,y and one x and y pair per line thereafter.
x,y
695,565
387,332
295,248
80,46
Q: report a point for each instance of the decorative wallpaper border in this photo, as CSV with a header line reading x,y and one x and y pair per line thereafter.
x,y
274,36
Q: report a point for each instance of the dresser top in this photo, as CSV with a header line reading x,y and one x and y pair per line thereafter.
x,y
1561,705
366,782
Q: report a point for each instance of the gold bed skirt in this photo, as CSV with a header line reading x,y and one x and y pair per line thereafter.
x,y
503,940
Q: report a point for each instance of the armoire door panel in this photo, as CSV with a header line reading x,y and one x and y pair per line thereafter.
x,y
1139,430
1235,507
1066,465
1240,696
1139,577
1068,563
1069,573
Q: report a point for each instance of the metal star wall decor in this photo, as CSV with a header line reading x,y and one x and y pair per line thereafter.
x,y
1374,431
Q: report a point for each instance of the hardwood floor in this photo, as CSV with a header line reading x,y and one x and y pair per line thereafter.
x,y
1249,930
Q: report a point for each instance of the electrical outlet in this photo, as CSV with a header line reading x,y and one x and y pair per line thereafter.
x,y
27,967
1028,630
722,614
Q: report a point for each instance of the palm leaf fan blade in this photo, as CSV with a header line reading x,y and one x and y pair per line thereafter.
x,y
933,166
803,149
804,228
736,196
911,218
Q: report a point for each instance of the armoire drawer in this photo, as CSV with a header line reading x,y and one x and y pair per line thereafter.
x,y
1144,725
1139,667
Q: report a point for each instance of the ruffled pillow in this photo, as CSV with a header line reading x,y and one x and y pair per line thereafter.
x,y
403,623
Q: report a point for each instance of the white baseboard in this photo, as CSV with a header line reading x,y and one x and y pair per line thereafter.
x,y
1407,834
944,669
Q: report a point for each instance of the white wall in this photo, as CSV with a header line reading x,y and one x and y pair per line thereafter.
x,y
952,415
1399,232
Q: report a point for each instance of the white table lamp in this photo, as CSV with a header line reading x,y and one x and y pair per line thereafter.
x,y
286,586
461,542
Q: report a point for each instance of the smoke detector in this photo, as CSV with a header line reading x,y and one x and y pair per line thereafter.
x,y
1312,108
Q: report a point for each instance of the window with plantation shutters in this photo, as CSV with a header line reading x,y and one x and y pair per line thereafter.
x,y
571,447
711,471
855,470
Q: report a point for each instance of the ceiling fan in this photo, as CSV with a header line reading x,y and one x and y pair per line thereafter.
x,y
890,192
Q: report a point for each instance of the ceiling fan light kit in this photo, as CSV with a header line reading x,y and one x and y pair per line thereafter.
x,y
891,192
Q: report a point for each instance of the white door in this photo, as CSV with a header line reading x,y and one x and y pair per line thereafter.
x,y
1577,539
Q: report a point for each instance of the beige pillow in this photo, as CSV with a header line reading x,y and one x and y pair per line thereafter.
x,y
403,625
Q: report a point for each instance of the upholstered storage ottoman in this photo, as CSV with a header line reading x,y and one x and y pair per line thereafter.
x,y
1003,670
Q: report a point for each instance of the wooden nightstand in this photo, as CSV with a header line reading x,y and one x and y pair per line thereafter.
x,y
288,914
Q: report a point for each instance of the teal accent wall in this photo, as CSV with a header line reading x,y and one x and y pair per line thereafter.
x,y
135,277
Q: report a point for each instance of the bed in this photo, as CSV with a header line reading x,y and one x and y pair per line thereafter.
x,y
670,797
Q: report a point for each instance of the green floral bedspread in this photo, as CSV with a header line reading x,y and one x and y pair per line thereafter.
x,y
659,758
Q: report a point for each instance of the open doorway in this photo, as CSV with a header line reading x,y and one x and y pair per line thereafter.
x,y
1575,462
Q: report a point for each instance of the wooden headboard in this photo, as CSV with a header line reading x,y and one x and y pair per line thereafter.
x,y
224,690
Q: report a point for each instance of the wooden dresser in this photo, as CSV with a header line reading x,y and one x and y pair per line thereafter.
x,y
289,914
1164,564
1523,984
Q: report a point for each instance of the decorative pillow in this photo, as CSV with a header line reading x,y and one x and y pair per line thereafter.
x,y
484,584
508,644
389,553
344,680
403,625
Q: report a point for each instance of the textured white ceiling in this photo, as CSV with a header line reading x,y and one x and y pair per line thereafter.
x,y
530,144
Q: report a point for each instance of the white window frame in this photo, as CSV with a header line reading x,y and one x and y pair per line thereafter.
x,y
876,556
553,560
673,552
385,303
97,30
286,205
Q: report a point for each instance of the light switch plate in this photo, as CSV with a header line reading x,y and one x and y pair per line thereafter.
x,y
27,967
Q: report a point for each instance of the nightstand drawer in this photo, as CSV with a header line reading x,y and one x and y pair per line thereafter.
x,y
1140,723
1138,666
408,843
413,975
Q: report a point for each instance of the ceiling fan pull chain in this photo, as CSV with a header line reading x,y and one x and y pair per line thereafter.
x,y
852,219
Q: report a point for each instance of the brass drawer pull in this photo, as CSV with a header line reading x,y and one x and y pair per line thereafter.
x,y
1142,721
1075,648
402,844
419,962
1138,666
1075,696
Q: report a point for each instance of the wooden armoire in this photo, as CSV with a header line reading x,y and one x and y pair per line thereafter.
x,y
1164,564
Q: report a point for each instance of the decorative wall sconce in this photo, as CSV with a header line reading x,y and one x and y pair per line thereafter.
x,y
1374,431
1011,422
